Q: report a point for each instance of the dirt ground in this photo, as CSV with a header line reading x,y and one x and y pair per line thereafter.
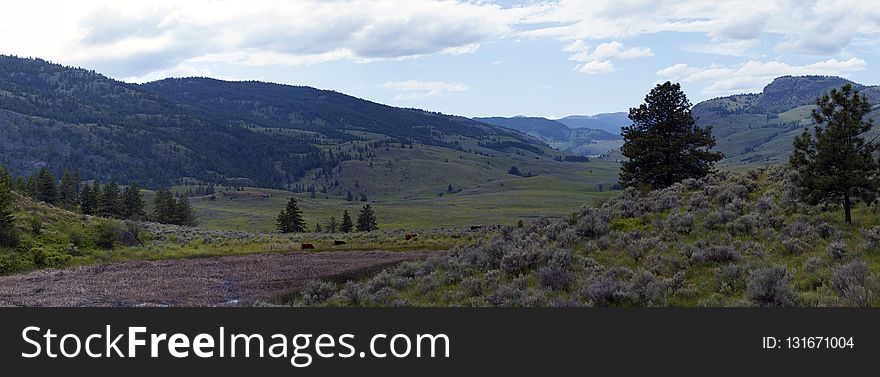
x,y
233,280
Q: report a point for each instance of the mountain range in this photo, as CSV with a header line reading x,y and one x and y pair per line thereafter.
x,y
274,135
749,128
215,131
578,140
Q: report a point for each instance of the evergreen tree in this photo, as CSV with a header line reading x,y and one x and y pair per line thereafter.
x,y
164,207
47,187
183,213
349,197
332,225
108,201
664,144
318,228
8,234
67,190
837,165
32,190
290,219
21,186
88,199
366,220
133,203
347,226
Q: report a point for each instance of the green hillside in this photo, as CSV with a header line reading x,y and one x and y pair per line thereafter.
x,y
261,134
728,239
753,129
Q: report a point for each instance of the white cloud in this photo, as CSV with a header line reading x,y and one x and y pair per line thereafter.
x,y
130,38
596,67
752,76
806,27
414,89
598,61
139,39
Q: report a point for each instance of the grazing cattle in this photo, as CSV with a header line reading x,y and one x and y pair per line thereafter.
x,y
476,227
306,246
338,242
410,236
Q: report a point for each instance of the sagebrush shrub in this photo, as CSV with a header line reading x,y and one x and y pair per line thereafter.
x,y
852,284
871,238
770,286
607,291
837,249
317,291
555,278
716,253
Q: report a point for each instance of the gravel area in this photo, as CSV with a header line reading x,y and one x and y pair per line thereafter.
x,y
216,281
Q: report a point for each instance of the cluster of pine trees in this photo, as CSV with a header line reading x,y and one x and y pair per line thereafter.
x,y
108,200
290,220
168,210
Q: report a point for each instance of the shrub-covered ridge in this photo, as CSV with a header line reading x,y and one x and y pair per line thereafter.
x,y
728,239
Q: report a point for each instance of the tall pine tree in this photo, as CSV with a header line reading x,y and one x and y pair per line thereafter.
x,y
184,214
347,225
67,190
366,220
837,165
88,199
664,144
164,207
133,203
290,219
46,187
108,201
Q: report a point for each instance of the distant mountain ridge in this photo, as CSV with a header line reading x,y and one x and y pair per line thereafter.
x,y
216,131
583,141
608,122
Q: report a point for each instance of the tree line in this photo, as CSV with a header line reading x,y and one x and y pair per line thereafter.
x,y
108,200
290,220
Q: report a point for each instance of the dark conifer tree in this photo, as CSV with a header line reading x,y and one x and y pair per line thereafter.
x,y
347,225
183,213
164,207
664,145
837,164
133,203
67,190
366,220
290,219
108,201
47,187
88,199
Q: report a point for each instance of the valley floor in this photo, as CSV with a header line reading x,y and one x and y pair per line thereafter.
x,y
214,281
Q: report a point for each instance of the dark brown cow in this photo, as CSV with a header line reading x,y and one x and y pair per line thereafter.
x,y
338,242
306,246
410,236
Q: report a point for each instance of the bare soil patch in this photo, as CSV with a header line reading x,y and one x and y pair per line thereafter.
x,y
232,280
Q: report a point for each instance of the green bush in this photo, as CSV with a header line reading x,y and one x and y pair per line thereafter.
x,y
47,257
108,234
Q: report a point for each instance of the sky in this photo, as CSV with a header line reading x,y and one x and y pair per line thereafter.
x,y
471,58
